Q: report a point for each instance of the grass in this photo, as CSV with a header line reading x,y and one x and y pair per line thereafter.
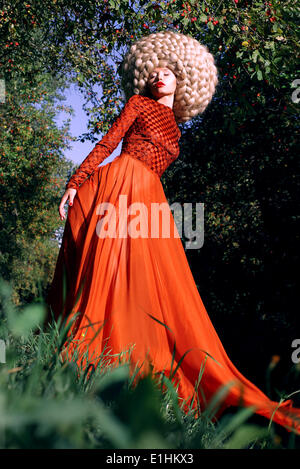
x,y
46,403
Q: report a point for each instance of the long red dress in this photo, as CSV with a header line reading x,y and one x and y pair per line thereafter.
x,y
129,285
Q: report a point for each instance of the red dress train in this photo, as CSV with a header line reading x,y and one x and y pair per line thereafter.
x,y
129,285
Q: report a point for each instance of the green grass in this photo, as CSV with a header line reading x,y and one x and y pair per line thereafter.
x,y
45,403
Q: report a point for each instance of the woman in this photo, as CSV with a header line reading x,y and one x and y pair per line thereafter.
x,y
127,290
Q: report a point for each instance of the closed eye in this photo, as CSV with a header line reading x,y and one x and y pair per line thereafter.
x,y
152,76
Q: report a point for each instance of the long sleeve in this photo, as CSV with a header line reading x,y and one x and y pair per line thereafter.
x,y
107,144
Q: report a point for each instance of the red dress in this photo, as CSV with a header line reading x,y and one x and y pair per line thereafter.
x,y
135,293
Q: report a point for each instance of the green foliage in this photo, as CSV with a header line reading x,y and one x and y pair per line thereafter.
x,y
32,171
250,40
32,166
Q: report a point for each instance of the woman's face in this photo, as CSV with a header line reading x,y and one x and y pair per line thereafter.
x,y
162,82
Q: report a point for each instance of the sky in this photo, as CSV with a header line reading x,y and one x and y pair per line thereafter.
x,y
78,126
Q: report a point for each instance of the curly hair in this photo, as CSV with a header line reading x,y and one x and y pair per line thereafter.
x,y
191,62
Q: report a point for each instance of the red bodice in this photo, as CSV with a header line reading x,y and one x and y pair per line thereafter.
x,y
150,134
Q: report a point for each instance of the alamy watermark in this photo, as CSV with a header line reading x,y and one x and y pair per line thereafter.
x,y
2,351
2,91
296,353
154,220
296,93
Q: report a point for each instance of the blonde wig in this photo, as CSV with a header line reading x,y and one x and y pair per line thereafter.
x,y
191,62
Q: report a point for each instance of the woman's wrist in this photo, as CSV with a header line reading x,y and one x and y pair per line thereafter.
x,y
72,185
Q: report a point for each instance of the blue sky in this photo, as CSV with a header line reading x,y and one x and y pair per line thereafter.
x,y
78,126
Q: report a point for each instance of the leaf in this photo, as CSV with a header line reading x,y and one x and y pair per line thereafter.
x,y
30,318
259,75
255,55
174,398
245,435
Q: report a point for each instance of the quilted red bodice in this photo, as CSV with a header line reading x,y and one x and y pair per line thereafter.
x,y
150,134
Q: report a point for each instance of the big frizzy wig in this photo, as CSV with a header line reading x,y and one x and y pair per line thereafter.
x,y
191,62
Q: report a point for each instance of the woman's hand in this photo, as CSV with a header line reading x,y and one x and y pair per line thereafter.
x,y
69,194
